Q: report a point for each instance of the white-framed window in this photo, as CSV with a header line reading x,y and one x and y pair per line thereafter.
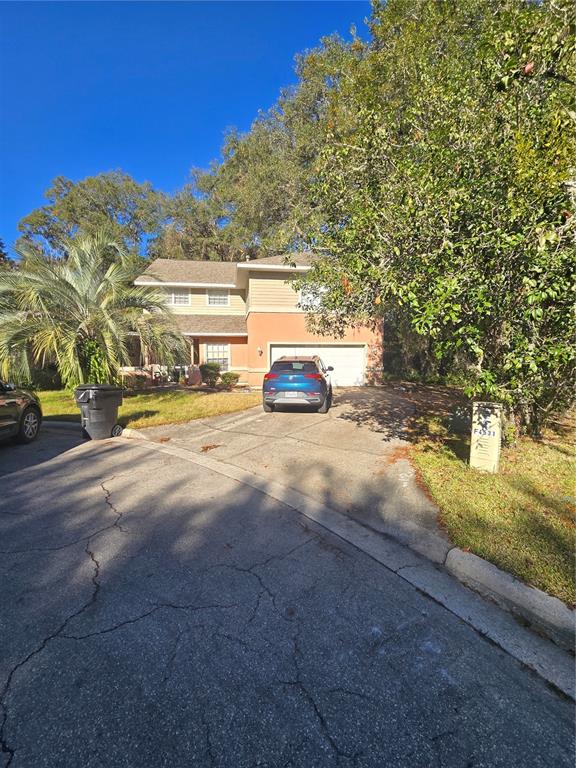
x,y
217,297
178,297
218,353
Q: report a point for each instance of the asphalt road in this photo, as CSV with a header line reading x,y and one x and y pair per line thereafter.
x,y
154,613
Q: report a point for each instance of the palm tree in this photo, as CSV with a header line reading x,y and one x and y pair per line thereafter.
x,y
80,312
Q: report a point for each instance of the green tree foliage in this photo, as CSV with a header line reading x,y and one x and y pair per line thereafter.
x,y
193,230
80,312
210,373
113,201
447,183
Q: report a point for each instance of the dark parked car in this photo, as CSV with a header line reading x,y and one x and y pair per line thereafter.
x,y
20,413
298,381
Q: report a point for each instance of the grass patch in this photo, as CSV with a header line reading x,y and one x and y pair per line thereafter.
x,y
153,409
521,519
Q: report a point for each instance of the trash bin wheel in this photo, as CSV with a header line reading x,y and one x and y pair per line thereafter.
x,y
116,430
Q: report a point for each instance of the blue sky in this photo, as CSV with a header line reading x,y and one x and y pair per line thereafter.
x,y
146,87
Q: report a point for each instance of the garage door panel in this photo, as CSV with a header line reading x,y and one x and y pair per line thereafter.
x,y
348,360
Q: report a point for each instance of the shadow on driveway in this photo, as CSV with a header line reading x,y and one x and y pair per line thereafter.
x,y
399,410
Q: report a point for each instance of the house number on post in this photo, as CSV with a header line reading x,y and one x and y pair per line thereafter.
x,y
486,436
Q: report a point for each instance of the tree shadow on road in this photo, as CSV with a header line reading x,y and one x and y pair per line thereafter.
x,y
50,443
156,611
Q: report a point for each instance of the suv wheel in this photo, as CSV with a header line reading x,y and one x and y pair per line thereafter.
x,y
326,404
29,426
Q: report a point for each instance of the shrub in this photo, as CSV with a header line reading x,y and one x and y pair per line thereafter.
x,y
47,378
228,380
135,381
40,379
210,373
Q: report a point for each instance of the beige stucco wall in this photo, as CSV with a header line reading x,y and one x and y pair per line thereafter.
x,y
199,306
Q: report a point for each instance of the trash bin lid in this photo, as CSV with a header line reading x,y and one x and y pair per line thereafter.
x,y
99,387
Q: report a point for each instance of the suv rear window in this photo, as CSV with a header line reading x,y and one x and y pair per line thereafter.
x,y
294,366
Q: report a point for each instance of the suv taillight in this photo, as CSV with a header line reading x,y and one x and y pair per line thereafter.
x,y
269,376
316,376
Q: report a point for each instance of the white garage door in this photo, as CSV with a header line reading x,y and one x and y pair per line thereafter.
x,y
348,360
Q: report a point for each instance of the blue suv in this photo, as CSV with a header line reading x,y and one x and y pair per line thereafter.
x,y
298,381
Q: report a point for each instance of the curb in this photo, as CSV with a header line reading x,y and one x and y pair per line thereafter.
x,y
546,614
134,434
138,434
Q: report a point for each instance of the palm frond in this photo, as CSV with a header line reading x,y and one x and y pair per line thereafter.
x,y
51,308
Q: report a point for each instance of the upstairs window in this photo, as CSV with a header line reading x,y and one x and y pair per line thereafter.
x,y
217,298
178,297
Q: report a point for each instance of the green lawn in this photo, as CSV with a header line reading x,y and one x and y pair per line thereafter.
x,y
151,409
521,519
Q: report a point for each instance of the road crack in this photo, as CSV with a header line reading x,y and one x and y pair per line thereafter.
x,y
5,747
170,664
209,744
108,502
154,609
81,539
300,685
265,589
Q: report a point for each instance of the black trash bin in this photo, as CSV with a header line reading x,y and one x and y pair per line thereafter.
x,y
99,405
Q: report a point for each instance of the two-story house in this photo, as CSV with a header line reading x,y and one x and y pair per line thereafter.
x,y
245,315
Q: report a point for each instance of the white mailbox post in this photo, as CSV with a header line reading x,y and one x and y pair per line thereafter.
x,y
486,436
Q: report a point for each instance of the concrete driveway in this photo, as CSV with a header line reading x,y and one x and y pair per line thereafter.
x,y
353,459
156,613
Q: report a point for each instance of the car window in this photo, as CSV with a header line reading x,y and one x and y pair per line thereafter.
x,y
294,366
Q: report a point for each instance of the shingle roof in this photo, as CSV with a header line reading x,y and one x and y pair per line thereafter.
x,y
223,273
166,271
209,325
